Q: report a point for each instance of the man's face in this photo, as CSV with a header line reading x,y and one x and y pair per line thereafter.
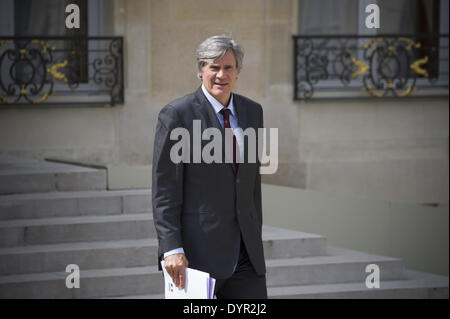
x,y
219,77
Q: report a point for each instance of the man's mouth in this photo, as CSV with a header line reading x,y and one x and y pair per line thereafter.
x,y
221,84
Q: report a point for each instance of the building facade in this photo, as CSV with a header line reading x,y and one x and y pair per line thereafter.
x,y
389,148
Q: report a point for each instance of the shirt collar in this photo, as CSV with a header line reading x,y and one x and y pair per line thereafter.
x,y
217,106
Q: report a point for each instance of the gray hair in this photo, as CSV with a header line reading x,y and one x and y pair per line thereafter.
x,y
215,47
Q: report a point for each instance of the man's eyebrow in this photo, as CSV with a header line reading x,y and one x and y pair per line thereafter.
x,y
218,65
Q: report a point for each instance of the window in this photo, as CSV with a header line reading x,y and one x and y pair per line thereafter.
x,y
45,62
47,18
334,39
329,17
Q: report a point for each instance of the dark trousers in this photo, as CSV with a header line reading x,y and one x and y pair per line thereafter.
x,y
245,283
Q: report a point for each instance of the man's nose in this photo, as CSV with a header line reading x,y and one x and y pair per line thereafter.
x,y
220,74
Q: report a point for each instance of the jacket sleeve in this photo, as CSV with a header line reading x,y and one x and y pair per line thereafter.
x,y
167,184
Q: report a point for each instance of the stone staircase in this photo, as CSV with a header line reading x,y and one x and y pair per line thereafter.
x,y
53,215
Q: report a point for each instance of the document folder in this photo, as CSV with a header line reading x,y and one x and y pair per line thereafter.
x,y
199,285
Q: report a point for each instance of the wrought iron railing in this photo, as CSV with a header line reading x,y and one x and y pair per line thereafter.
x,y
61,70
370,66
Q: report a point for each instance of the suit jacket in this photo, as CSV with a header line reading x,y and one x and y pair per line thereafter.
x,y
206,207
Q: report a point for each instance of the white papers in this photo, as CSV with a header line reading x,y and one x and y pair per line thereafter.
x,y
199,285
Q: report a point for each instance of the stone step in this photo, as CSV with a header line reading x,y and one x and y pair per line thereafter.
x,y
135,253
340,266
19,175
87,255
93,283
283,243
75,229
416,285
148,280
77,203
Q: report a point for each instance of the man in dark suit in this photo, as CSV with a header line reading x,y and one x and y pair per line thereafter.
x,y
208,215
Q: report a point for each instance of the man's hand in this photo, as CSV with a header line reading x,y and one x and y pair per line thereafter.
x,y
176,267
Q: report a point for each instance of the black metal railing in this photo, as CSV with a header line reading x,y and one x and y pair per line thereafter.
x,y
61,70
370,66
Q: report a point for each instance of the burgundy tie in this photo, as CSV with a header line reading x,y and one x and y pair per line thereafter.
x,y
226,123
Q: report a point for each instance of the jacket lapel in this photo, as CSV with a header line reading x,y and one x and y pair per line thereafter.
x,y
208,116
241,112
243,123
206,112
